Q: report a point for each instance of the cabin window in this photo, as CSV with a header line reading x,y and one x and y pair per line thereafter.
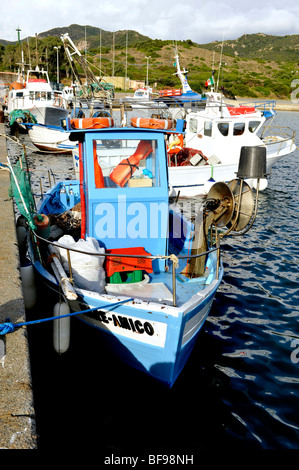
x,y
253,125
193,126
223,128
208,128
19,94
125,163
239,128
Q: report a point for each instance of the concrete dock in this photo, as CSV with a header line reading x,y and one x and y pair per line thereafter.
x,y
17,414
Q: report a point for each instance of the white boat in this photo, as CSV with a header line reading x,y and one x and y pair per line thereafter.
x,y
144,98
34,100
209,147
54,139
51,139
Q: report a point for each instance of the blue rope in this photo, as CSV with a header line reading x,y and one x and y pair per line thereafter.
x,y
6,327
9,327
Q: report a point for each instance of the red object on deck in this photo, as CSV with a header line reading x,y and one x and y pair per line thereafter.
x,y
120,263
172,92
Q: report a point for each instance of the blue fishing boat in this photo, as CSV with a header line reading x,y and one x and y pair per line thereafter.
x,y
122,256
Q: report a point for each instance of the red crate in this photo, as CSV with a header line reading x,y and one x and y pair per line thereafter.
x,y
120,263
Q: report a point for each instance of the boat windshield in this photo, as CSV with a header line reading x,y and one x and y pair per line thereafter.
x,y
223,128
125,163
253,125
40,95
208,125
141,93
239,128
193,125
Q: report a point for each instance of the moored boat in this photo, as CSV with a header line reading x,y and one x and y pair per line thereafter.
x,y
35,101
208,144
144,97
50,139
54,139
129,263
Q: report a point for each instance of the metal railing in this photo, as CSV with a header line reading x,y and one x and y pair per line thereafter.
x,y
171,257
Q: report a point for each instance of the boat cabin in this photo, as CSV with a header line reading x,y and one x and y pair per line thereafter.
x,y
220,133
34,89
124,188
38,98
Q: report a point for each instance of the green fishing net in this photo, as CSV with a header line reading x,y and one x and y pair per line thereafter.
x,y
20,189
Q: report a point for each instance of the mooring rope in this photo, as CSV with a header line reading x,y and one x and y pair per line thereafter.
x,y
9,327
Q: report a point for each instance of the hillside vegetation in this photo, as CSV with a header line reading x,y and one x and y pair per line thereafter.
x,y
255,65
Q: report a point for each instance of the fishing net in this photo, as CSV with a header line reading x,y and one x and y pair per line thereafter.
x,y
20,189
21,115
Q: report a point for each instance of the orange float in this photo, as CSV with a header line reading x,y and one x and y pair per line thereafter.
x,y
92,123
16,86
151,123
172,92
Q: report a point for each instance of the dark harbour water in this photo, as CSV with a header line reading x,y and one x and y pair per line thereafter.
x,y
240,388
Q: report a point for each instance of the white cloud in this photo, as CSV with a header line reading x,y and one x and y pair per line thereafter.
x,y
162,19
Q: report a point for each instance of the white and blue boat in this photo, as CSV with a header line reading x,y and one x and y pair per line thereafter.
x,y
50,139
187,99
131,264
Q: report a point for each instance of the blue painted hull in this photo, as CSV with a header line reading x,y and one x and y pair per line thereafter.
x,y
155,340
152,323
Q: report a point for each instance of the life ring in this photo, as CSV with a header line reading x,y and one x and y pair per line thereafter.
x,y
58,102
150,123
92,123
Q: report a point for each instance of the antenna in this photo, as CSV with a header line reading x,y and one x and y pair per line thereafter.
x,y
220,63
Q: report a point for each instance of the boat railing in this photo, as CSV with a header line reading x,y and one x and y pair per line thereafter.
x,y
275,134
172,257
261,105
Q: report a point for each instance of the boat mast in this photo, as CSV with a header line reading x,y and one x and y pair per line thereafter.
x,y
219,66
72,51
213,70
182,74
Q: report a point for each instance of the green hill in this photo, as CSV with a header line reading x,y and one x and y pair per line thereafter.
x,y
260,46
254,65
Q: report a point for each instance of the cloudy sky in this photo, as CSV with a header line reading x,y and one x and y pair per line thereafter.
x,y
198,20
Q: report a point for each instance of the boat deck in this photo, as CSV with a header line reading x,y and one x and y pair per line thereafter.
x,y
159,287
